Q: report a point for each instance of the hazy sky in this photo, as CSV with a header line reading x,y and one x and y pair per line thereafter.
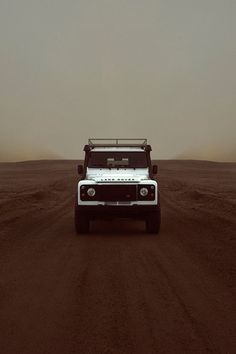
x,y
161,69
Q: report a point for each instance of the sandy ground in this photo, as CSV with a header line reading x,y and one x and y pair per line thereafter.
x,y
118,289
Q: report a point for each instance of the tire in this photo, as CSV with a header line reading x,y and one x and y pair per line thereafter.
x,y
153,222
81,220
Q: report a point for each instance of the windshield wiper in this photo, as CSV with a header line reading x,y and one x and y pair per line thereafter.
x,y
98,165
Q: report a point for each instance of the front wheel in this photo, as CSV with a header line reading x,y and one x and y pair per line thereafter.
x,y
153,222
81,220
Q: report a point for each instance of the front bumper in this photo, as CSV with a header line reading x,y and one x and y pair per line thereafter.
x,y
111,211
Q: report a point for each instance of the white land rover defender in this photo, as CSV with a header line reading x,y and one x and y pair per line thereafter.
x,y
117,180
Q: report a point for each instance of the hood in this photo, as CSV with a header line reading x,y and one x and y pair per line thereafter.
x,y
117,174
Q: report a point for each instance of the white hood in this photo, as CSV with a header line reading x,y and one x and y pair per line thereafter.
x,y
117,175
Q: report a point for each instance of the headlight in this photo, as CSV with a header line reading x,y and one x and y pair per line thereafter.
x,y
143,192
91,192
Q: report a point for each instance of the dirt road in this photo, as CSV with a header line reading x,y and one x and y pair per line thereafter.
x,y
117,290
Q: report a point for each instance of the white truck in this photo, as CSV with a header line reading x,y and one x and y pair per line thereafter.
x,y
117,179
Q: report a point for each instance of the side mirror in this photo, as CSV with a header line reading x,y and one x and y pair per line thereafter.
x,y
80,169
154,169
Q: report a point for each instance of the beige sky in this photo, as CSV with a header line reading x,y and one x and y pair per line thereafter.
x,y
75,69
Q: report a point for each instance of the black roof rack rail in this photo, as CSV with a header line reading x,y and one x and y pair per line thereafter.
x,y
125,142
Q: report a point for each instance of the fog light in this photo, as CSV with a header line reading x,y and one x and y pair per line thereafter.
x,y
143,192
91,192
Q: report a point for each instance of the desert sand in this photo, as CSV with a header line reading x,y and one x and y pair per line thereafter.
x,y
118,289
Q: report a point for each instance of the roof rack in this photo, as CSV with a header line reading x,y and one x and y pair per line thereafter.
x,y
140,142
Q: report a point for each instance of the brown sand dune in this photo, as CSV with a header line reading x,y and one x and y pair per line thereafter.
x,y
117,290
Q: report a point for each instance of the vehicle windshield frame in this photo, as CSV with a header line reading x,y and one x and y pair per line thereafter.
x,y
118,159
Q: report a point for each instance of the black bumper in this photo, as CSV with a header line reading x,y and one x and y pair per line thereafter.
x,y
112,211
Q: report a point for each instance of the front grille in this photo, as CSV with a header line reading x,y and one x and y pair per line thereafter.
x,y
117,192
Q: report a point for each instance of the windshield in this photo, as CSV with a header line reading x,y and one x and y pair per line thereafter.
x,y
118,159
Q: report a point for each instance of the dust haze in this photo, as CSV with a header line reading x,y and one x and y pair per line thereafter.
x,y
164,70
